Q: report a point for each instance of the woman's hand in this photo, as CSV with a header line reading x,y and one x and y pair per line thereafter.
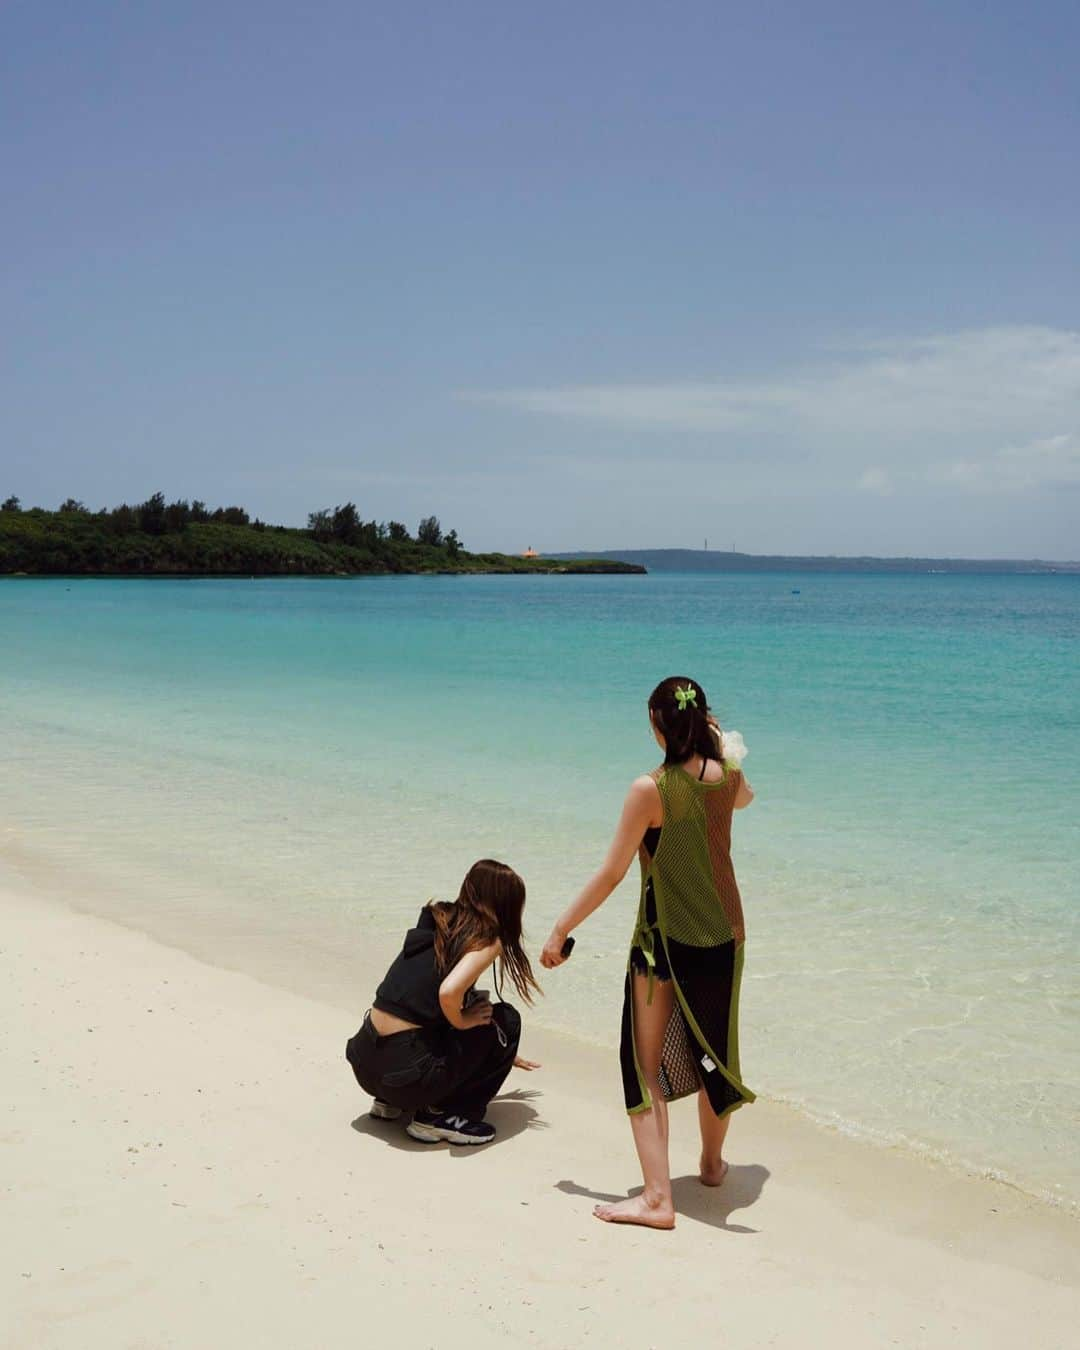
x,y
641,809
552,955
527,1064
477,1015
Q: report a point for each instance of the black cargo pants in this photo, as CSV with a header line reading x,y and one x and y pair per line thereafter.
x,y
455,1072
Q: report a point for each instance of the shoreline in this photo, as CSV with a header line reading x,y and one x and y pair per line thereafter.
x,y
172,1119
300,969
614,570
184,539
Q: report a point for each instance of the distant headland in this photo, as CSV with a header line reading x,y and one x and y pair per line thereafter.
x,y
707,560
187,538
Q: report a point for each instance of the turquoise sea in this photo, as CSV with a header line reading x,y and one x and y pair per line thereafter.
x,y
279,772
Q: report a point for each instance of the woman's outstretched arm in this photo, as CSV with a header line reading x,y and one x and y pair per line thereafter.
x,y
641,809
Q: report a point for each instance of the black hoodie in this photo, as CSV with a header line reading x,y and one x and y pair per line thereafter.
x,y
410,989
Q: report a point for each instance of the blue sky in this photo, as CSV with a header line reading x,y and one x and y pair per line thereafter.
x,y
790,277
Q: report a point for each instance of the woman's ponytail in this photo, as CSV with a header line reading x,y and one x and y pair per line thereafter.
x,y
680,711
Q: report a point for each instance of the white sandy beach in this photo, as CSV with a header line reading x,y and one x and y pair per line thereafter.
x,y
187,1162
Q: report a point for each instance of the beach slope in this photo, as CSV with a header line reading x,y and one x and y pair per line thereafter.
x,y
187,1162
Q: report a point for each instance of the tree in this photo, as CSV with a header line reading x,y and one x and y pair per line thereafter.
x,y
177,515
345,523
123,520
72,506
453,544
11,504
152,514
199,512
321,526
429,531
234,515
397,532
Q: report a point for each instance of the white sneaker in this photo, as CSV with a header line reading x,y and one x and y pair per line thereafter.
x,y
384,1111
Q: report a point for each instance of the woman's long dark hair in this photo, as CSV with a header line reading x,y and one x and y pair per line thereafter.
x,y
488,909
683,720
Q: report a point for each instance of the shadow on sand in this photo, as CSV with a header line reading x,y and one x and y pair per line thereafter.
x,y
713,1205
511,1114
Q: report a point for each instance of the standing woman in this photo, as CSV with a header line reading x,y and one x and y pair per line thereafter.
x,y
681,1001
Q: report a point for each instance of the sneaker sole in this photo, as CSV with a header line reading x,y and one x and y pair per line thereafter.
x,y
381,1112
430,1134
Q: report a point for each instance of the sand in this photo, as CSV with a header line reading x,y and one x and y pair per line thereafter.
x,y
187,1162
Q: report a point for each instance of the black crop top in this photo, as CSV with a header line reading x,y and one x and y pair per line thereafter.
x,y
410,988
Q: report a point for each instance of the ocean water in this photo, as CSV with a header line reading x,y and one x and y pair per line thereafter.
x,y
281,771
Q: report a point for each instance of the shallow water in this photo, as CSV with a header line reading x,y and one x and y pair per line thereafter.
x,y
300,763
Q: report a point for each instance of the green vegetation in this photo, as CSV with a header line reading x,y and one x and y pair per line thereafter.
x,y
159,538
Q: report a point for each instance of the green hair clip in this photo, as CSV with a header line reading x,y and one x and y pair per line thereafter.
x,y
685,696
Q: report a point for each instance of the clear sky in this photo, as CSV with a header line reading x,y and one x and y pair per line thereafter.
x,y
793,277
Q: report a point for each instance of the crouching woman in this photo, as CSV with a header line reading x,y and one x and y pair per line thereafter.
x,y
432,1043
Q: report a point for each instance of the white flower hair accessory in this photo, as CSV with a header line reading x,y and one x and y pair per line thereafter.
x,y
733,747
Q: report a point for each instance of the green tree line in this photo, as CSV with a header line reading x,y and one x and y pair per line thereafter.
x,y
156,516
157,535
188,538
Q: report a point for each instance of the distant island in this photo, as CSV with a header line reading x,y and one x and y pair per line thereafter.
x,y
705,560
186,538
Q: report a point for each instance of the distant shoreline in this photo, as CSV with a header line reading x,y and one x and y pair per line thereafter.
x,y
183,539
700,560
603,568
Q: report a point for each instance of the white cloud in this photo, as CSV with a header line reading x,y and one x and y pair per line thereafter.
x,y
978,409
1051,461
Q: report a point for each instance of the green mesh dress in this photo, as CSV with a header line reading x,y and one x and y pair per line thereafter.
x,y
690,925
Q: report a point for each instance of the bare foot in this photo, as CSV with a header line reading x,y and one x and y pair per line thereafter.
x,y
712,1174
637,1210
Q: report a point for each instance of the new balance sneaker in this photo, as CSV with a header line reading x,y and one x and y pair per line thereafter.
x,y
384,1111
431,1127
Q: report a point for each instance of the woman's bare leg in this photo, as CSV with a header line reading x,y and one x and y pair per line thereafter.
x,y
653,1207
713,1133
